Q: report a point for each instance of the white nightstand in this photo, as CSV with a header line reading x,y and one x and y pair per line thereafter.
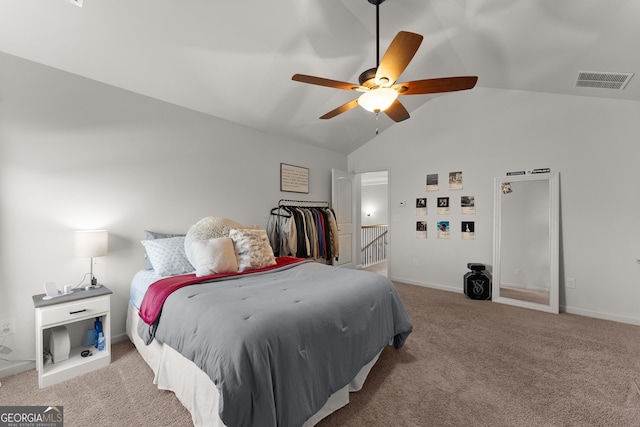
x,y
77,312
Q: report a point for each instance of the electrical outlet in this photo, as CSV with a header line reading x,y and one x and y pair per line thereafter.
x,y
571,282
8,326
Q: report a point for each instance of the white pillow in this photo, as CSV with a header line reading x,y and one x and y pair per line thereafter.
x,y
167,256
214,256
252,249
208,228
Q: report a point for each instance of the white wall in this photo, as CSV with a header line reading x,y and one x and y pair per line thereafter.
x,y
592,142
374,201
77,154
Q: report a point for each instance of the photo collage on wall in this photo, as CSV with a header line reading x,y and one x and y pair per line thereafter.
x,y
443,207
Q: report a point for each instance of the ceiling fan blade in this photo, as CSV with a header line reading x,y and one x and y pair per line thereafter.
x,y
327,82
341,109
397,112
444,84
400,52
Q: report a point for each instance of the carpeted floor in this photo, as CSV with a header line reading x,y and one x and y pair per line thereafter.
x,y
122,394
479,363
467,363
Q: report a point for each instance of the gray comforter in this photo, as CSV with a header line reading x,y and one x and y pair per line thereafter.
x,y
277,345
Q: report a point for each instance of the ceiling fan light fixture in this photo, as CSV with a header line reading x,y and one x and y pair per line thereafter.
x,y
383,82
377,100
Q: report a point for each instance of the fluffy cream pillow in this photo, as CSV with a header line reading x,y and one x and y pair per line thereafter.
x,y
214,256
210,227
252,249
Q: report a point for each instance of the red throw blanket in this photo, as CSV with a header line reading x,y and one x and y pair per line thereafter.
x,y
159,291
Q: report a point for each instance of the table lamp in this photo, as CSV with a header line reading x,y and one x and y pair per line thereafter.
x,y
92,244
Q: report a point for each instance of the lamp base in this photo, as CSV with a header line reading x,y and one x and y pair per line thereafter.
x,y
94,283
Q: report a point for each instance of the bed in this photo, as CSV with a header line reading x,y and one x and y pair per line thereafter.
x,y
280,345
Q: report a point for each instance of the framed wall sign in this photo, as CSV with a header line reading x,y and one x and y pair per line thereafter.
x,y
294,179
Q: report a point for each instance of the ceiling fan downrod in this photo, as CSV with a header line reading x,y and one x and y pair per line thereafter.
x,y
366,78
377,4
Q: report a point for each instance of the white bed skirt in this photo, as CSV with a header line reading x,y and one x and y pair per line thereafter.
x,y
197,392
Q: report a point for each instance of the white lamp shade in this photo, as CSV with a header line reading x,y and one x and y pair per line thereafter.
x,y
377,100
92,243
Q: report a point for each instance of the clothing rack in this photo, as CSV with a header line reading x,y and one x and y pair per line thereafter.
x,y
303,203
303,228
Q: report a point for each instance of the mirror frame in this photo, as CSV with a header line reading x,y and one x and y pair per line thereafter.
x,y
553,180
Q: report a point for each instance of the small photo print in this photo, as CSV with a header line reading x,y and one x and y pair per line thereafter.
x,y
467,205
432,182
455,180
468,230
421,229
421,206
443,229
506,187
443,206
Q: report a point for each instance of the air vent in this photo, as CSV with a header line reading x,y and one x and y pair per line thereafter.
x,y
616,81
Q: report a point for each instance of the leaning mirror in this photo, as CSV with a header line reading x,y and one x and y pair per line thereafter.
x,y
525,256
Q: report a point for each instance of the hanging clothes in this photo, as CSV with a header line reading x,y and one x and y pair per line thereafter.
x,y
281,230
304,231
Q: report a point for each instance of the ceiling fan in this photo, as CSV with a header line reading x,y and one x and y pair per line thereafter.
x,y
378,85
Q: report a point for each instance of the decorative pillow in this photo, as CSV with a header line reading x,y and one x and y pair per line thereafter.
x,y
252,249
210,227
214,256
167,256
152,235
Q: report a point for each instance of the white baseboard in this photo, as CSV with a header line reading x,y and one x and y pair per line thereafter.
x,y
600,315
428,285
16,367
566,309
118,338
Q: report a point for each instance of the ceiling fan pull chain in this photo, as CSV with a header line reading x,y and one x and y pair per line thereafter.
x,y
377,123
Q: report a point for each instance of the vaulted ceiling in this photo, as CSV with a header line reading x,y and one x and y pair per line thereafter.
x,y
234,59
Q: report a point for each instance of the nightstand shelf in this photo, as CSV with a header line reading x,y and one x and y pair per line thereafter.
x,y
76,311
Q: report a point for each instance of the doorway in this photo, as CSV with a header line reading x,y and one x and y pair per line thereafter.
x,y
374,221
